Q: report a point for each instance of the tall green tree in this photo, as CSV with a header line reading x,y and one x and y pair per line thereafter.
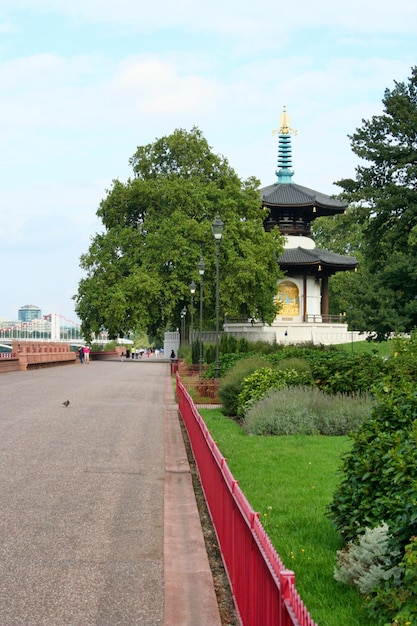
x,y
157,226
385,189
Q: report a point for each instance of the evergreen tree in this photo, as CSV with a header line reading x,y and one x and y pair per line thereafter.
x,y
385,194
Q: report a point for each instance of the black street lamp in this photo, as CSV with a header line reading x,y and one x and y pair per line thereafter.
x,y
192,291
183,314
217,228
201,267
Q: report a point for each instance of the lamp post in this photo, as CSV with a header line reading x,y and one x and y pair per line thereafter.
x,y
217,228
201,267
192,291
183,314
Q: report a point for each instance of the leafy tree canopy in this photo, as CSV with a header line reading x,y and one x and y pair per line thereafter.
x,y
157,226
385,197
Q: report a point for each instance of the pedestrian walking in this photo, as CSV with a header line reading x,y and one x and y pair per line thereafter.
x,y
81,354
87,353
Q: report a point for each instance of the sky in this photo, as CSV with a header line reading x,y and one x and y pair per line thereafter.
x,y
83,83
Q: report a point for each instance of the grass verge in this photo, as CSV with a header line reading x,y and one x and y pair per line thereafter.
x,y
381,348
290,481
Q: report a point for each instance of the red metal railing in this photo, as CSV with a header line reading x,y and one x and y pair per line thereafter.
x,y
263,589
202,390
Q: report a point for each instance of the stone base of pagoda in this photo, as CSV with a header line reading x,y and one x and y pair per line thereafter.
x,y
317,333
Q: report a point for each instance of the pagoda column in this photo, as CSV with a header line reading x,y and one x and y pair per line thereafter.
x,y
325,296
305,312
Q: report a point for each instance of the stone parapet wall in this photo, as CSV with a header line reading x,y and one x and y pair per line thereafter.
x,y
9,363
34,354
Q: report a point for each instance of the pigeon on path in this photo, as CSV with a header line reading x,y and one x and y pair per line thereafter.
x,y
66,403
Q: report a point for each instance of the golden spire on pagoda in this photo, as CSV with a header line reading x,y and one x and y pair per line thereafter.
x,y
285,124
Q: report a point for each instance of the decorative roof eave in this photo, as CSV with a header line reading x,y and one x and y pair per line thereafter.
x,y
313,258
290,195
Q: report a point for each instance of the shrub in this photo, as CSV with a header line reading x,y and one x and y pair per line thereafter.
x,y
336,371
195,352
366,562
210,353
341,413
226,362
260,382
293,410
343,373
402,365
279,412
379,473
297,364
228,344
261,347
231,383
184,353
396,603
243,345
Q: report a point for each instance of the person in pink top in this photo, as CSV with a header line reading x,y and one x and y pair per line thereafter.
x,y
87,353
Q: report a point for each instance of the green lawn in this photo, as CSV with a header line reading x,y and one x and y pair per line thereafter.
x,y
290,482
381,348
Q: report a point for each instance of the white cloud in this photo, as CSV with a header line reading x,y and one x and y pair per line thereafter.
x,y
85,82
159,88
8,28
244,17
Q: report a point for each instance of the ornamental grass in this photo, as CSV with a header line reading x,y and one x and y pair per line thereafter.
x,y
306,410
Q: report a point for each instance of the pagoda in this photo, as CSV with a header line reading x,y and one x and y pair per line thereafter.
x,y
304,292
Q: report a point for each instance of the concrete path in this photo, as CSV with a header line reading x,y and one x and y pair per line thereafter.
x,y
99,524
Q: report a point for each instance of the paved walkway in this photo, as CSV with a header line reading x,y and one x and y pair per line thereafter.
x,y
99,520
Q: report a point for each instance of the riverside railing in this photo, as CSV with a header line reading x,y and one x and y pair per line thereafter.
x,y
263,589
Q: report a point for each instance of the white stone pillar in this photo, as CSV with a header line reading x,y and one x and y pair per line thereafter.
x,y
55,331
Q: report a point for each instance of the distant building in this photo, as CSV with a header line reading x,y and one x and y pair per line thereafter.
x,y
29,312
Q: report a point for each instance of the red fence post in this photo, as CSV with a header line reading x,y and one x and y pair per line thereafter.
x,y
286,582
